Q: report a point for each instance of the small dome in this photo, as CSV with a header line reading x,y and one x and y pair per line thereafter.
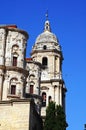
x,y
46,37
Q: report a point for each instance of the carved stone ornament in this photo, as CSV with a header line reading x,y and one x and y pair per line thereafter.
x,y
44,88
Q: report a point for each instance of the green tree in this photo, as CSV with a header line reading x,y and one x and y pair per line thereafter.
x,y
50,117
60,119
55,118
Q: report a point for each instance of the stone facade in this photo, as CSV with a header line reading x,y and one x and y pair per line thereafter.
x,y
19,115
38,77
17,110
12,65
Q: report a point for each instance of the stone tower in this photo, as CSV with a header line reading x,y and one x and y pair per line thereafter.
x,y
47,51
12,65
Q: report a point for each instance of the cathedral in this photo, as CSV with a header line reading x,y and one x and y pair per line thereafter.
x,y
27,85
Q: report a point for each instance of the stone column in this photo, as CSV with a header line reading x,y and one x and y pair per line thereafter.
x,y
58,88
5,89
1,85
56,94
47,95
61,94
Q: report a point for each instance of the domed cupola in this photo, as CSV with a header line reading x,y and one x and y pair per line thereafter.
x,y
47,39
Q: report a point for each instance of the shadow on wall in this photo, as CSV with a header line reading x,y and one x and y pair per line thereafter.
x,y
36,122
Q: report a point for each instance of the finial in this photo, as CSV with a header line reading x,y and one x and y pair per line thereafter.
x,y
47,23
46,15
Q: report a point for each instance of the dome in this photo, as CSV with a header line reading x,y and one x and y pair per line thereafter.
x,y
46,40
47,35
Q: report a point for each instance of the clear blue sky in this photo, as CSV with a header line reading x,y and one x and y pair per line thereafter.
x,y
68,22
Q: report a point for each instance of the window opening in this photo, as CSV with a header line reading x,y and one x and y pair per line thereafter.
x,y
44,47
44,61
43,99
31,89
49,99
13,89
14,61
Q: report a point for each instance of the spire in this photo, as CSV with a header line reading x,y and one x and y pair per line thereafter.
x,y
46,15
47,23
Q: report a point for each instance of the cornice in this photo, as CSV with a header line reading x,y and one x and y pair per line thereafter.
x,y
14,68
14,28
44,51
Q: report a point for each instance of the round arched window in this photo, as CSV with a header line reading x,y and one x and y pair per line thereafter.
x,y
44,62
44,47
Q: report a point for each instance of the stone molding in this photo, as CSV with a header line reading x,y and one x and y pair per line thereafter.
x,y
14,68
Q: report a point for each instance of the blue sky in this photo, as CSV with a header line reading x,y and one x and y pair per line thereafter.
x,y
68,22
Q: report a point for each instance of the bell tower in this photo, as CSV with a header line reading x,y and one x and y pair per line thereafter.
x,y
47,51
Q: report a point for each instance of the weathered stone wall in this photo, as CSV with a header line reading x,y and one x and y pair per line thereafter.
x,y
33,77
12,65
19,114
14,115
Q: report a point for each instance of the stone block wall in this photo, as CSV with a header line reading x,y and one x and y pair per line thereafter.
x,y
19,114
14,115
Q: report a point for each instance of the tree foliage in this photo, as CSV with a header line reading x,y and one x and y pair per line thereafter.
x,y
50,117
55,118
60,121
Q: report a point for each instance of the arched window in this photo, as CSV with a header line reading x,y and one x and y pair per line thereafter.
x,y
43,99
13,83
44,47
13,89
49,99
44,61
31,89
14,61
15,49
